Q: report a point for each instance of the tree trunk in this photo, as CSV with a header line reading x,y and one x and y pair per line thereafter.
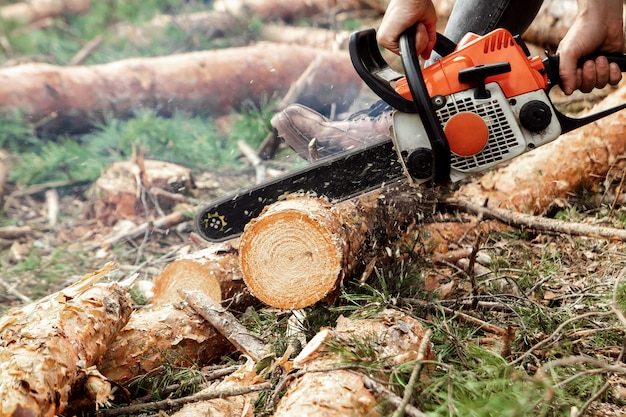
x,y
33,10
214,82
298,250
321,390
533,181
50,345
291,10
170,335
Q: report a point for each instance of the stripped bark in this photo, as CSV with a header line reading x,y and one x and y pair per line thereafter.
x,y
215,82
298,250
34,10
50,345
320,389
172,335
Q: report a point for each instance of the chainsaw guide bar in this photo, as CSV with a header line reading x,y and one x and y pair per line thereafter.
x,y
336,178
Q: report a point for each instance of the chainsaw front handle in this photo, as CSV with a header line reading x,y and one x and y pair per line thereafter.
x,y
379,76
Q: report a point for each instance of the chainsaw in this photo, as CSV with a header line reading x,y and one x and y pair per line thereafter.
x,y
486,101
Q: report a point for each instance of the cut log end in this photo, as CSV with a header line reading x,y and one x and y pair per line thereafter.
x,y
290,255
185,274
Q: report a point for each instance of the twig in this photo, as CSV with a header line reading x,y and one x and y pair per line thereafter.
x,y
539,223
558,330
488,327
11,290
178,402
52,202
408,391
255,160
14,232
164,222
86,50
227,324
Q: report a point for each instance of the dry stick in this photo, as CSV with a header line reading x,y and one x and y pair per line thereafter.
x,y
539,223
255,160
14,232
164,222
86,50
178,402
11,290
421,352
227,324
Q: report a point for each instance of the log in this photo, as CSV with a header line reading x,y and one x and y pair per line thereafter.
x,y
320,390
533,181
206,82
298,250
291,10
554,19
34,10
50,345
172,335
214,270
117,193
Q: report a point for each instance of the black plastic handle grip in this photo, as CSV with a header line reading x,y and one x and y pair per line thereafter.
x,y
551,64
424,106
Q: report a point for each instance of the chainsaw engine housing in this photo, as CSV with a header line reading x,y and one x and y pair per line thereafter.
x,y
514,125
490,98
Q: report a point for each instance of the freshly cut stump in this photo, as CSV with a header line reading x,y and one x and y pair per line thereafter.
x,y
289,247
185,274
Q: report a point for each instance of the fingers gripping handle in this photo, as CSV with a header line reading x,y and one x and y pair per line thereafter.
x,y
551,63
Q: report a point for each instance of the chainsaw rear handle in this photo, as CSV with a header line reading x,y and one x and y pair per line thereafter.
x,y
551,64
378,75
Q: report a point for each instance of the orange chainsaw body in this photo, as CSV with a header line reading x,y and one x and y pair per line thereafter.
x,y
441,78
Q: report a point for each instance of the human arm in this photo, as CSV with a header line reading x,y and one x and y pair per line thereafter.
x,y
400,16
598,27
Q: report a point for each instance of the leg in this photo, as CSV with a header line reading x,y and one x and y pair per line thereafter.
x,y
483,16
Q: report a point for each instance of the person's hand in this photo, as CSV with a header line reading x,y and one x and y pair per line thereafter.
x,y
597,27
400,16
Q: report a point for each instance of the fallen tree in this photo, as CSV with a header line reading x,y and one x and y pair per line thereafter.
x,y
34,10
212,82
51,345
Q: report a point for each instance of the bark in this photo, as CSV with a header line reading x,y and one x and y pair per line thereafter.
x,y
50,345
215,268
298,250
291,10
227,324
307,36
207,82
320,390
172,335
33,10
533,181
